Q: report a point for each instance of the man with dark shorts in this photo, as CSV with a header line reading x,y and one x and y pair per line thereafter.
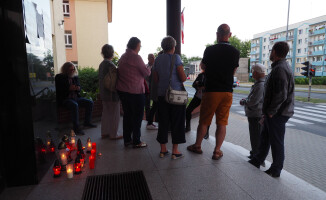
x,y
220,62
278,107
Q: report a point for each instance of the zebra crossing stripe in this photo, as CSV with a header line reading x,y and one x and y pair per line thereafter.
x,y
299,121
323,106
311,114
316,108
309,110
288,124
309,118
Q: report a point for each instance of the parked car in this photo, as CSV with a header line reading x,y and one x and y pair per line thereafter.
x,y
236,83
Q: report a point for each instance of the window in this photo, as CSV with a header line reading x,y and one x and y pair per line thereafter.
x,y
264,47
306,40
319,69
297,69
299,50
264,39
263,62
68,39
305,50
300,31
263,55
299,41
298,60
66,11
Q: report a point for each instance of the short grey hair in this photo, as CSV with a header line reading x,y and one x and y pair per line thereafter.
x,y
259,68
168,43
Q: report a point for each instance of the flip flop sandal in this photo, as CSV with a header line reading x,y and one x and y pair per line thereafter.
x,y
195,149
217,155
177,156
140,145
163,154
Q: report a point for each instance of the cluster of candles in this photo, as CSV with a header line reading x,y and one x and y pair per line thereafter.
x,y
65,148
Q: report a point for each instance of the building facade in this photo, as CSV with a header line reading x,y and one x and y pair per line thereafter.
x,y
86,30
306,40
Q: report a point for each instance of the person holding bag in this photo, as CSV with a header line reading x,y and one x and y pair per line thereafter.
x,y
169,75
109,96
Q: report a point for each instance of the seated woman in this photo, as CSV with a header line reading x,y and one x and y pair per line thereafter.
x,y
169,115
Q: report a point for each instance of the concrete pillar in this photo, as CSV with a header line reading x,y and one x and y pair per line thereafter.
x,y
173,22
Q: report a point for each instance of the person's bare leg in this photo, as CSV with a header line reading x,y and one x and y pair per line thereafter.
x,y
163,148
175,149
201,132
220,135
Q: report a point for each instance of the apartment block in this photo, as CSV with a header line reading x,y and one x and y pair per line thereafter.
x,y
306,40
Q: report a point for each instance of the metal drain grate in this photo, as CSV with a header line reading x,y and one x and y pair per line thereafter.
x,y
120,186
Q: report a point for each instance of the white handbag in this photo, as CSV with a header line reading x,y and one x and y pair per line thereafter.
x,y
175,97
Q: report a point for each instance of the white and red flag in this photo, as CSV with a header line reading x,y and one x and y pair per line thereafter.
x,y
182,26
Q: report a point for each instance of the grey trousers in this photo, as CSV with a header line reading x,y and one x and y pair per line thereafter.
x,y
110,119
255,129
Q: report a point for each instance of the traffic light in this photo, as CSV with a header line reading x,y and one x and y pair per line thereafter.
x,y
312,71
306,69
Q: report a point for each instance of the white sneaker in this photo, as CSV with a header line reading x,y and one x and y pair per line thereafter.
x,y
151,127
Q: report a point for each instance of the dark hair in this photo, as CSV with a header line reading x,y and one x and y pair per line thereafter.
x,y
223,30
133,42
168,43
107,51
281,49
66,67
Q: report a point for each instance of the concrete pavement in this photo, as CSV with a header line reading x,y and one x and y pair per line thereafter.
x,y
192,177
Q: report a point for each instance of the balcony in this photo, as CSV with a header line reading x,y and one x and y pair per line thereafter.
x,y
317,32
289,56
253,52
253,59
280,39
253,45
317,53
290,37
318,63
318,42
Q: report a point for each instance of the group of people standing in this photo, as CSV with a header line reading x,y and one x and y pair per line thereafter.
x,y
268,106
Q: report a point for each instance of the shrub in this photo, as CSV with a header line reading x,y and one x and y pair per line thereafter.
x,y
88,78
315,81
251,79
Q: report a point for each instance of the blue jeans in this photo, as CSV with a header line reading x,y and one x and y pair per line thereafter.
x,y
73,106
272,136
133,112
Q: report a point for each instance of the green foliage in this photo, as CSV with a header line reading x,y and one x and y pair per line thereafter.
x,y
251,79
88,78
116,58
48,62
315,81
184,60
89,95
158,49
242,46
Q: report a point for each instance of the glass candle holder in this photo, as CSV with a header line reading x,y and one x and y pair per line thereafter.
x,y
70,171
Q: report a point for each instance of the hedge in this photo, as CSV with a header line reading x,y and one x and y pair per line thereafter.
x,y
315,81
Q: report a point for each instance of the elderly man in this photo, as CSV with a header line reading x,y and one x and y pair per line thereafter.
x,y
278,107
220,62
253,105
67,93
150,112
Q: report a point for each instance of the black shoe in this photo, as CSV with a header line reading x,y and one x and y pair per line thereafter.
x,y
206,136
79,132
254,162
90,125
272,173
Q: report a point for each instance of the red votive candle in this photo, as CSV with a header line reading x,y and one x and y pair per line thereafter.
x,y
94,146
91,162
93,153
82,162
57,170
77,168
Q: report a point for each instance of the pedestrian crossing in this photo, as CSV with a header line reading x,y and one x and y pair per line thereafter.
x,y
305,115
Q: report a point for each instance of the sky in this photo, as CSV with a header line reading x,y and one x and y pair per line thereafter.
x,y
146,19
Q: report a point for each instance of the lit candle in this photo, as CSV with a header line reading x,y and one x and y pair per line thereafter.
x,y
94,146
82,161
56,169
72,142
91,162
70,171
89,145
72,138
78,165
93,153
63,158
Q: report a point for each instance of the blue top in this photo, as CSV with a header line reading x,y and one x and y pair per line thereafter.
x,y
162,66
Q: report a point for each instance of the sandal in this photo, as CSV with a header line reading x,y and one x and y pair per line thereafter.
x,y
194,149
177,156
163,154
140,145
217,155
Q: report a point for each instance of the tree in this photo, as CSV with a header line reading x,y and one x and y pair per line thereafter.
x,y
242,46
48,62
